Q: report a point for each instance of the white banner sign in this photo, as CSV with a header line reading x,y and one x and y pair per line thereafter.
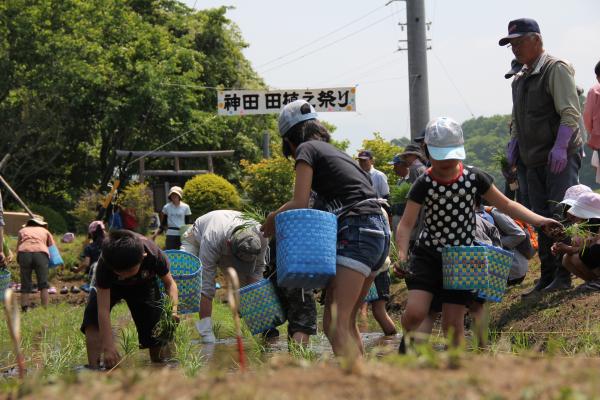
x,y
252,102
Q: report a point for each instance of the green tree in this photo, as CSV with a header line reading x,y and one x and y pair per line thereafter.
x,y
383,152
205,193
269,183
82,78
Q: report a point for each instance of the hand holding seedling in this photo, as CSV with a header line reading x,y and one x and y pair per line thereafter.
x,y
268,228
552,228
401,269
559,248
111,356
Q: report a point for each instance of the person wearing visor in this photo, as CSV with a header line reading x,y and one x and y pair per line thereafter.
x,y
446,193
545,135
224,239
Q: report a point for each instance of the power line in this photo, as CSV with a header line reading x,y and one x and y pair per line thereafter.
x,y
392,78
328,45
321,37
378,61
453,84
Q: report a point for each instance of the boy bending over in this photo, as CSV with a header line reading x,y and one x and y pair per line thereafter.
x,y
127,270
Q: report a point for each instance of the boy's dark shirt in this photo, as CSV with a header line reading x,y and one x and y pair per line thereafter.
x,y
155,263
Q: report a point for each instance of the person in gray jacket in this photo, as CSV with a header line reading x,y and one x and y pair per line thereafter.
x,y
545,134
514,239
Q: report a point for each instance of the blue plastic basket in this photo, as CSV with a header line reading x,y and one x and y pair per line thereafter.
x,y
465,267
54,257
4,281
186,269
260,307
306,248
499,265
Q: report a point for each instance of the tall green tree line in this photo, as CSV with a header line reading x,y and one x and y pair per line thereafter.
x,y
82,78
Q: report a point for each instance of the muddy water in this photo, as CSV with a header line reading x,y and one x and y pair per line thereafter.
x,y
224,353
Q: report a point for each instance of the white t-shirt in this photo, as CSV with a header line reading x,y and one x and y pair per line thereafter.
x,y
208,239
380,183
175,216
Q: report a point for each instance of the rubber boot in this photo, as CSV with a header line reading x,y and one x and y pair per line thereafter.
x,y
548,267
204,327
562,280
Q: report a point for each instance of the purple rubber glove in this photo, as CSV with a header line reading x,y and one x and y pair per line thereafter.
x,y
558,155
512,151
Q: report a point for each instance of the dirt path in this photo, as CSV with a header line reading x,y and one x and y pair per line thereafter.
x,y
478,377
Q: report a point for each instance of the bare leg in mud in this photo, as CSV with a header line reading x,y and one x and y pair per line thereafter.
x,y
343,294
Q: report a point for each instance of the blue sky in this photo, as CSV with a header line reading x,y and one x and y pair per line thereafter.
x,y
466,65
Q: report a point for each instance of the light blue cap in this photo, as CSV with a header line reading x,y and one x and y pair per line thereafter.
x,y
444,139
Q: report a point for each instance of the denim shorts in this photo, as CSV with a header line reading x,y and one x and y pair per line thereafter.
x,y
363,242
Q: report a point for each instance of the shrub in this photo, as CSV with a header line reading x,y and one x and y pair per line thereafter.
x,y
383,152
209,192
269,183
137,197
86,208
56,222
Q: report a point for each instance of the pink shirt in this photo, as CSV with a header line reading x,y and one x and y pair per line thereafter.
x,y
33,239
591,116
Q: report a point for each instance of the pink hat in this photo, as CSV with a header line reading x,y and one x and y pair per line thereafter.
x,y
573,194
586,206
94,225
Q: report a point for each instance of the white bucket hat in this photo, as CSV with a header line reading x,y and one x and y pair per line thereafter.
x,y
573,193
586,206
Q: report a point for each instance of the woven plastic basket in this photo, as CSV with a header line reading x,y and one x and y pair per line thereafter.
x,y
465,267
4,281
260,307
372,294
187,272
499,265
306,248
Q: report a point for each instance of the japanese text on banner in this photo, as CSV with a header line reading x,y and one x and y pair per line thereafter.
x,y
253,102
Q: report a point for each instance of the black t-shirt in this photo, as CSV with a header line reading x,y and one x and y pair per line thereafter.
x,y
590,256
341,185
449,208
155,263
93,251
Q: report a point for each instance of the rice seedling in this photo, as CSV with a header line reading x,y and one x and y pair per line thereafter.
x,y
186,354
252,215
501,159
399,193
128,339
165,328
302,352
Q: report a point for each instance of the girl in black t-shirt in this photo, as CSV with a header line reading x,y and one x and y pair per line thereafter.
x,y
446,193
344,189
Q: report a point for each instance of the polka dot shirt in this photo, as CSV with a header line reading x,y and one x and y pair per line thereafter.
x,y
448,207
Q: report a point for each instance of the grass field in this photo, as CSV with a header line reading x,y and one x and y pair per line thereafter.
x,y
542,347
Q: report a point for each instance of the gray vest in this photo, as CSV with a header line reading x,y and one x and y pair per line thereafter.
x,y
536,118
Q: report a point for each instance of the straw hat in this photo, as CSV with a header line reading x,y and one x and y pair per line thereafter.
x,y
177,190
36,221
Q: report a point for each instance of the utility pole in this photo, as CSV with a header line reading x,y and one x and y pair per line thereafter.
x,y
417,46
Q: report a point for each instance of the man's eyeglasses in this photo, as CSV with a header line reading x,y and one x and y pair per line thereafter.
x,y
516,42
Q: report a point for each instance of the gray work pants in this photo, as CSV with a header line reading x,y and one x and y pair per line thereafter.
x,y
545,191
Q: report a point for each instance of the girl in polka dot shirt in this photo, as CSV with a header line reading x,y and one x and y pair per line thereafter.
x,y
446,192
